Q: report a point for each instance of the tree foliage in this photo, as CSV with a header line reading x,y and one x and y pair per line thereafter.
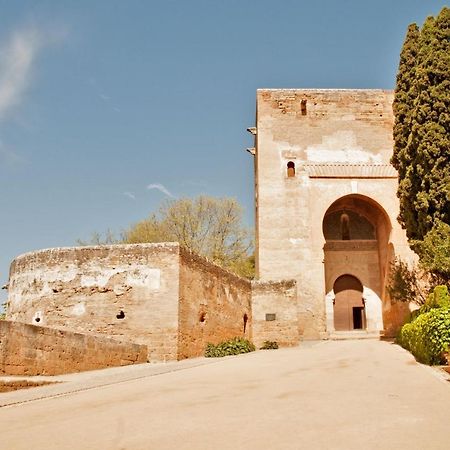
x,y
211,227
422,127
407,284
434,253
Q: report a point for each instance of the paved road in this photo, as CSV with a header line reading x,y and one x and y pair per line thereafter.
x,y
323,395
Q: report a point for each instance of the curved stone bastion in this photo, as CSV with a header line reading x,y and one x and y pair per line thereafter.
x,y
160,295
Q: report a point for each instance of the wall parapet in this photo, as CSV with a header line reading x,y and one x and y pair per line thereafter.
x,y
34,350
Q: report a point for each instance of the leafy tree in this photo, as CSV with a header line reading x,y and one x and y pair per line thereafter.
x,y
210,227
435,253
407,284
98,239
422,133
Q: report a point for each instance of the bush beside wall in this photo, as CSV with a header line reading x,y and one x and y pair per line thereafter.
x,y
427,336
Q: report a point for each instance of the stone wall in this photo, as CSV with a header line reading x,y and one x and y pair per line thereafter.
x,y
159,295
35,350
127,292
215,305
274,312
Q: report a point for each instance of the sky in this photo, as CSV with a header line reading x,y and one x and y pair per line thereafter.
x,y
108,108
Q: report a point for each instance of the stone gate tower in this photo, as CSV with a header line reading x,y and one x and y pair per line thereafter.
x,y
326,205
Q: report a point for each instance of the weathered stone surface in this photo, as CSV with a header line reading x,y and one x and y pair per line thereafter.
x,y
215,305
274,312
35,350
340,142
85,289
160,295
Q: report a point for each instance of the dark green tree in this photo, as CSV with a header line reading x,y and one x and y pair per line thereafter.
x,y
404,97
403,106
422,137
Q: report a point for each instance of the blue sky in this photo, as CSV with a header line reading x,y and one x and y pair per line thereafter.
x,y
107,108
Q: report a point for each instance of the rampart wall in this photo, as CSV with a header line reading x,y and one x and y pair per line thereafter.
x,y
215,305
159,295
35,350
127,292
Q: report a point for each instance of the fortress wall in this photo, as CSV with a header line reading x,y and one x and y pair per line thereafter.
x,y
274,312
213,303
35,350
128,292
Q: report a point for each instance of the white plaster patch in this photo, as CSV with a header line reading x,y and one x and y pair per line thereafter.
x,y
120,289
373,310
286,149
99,278
373,307
295,241
79,309
145,277
305,180
341,146
354,186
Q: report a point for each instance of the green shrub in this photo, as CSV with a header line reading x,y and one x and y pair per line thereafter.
x,y
233,346
269,345
439,298
428,336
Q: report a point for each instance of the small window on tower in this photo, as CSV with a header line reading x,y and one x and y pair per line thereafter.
x,y
303,107
290,169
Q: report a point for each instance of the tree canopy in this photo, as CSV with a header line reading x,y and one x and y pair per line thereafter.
x,y
422,128
211,227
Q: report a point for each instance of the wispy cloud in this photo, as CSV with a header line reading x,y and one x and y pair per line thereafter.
x,y
129,195
160,188
17,58
16,62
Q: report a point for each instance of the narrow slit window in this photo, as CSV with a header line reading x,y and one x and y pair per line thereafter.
x,y
290,169
345,227
303,107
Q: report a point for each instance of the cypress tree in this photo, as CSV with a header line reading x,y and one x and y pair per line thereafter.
x,y
424,163
403,105
404,97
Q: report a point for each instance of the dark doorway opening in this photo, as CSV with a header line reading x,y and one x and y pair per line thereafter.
x,y
358,312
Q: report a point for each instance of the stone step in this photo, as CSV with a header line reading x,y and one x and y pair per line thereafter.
x,y
354,334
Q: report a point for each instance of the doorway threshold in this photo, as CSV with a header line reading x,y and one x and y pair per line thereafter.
x,y
353,334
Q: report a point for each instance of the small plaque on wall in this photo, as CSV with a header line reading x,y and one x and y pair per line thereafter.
x,y
270,317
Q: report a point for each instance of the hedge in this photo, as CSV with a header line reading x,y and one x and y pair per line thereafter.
x,y
427,335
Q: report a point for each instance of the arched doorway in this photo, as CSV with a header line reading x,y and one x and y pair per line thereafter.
x,y
348,312
356,261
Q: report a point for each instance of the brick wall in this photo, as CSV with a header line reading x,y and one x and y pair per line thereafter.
x,y
277,300
36,350
213,303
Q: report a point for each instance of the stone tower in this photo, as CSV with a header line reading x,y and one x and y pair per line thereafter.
x,y
326,205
